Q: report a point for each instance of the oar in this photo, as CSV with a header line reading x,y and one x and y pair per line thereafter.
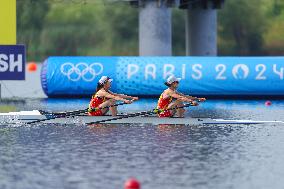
x,y
76,112
150,112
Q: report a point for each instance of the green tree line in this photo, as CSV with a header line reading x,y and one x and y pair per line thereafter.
x,y
110,28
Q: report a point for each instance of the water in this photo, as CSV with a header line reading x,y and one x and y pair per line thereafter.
x,y
160,157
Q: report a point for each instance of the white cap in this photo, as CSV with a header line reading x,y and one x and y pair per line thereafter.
x,y
172,79
104,79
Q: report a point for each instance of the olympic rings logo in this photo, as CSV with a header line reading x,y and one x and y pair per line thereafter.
x,y
81,71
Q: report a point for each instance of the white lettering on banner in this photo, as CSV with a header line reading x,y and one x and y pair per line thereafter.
x,y
4,65
10,63
240,71
17,63
131,70
183,71
261,68
150,69
280,73
197,69
221,68
168,72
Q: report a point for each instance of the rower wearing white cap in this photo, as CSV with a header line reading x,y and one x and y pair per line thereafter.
x,y
166,100
105,98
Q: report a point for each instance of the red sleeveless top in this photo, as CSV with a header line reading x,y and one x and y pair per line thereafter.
x,y
163,104
95,102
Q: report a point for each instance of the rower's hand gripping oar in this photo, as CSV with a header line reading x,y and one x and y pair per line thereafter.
x,y
71,113
150,112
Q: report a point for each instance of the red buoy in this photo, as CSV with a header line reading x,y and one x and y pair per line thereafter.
x,y
32,67
268,103
132,183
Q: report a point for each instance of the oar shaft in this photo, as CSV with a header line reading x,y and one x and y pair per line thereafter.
x,y
150,112
121,117
80,111
76,112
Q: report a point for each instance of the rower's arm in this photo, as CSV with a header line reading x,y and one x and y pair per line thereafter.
x,y
112,96
187,96
124,96
192,97
179,97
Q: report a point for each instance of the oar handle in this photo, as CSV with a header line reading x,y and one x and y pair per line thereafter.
x,y
95,109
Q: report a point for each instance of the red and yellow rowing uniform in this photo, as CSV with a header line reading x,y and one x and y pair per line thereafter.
x,y
163,104
96,101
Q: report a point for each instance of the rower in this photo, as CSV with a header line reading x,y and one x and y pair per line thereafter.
x,y
104,98
166,100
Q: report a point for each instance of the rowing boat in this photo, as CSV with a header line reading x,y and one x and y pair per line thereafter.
x,y
36,115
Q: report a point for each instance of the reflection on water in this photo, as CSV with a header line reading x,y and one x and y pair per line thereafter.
x,y
161,157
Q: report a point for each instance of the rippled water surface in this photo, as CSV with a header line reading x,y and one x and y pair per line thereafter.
x,y
160,157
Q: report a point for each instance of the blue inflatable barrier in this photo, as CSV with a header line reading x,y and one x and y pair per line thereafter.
x,y
78,76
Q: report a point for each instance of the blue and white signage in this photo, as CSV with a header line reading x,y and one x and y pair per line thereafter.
x,y
12,62
146,75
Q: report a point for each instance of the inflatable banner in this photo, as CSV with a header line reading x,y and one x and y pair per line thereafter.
x,y
78,76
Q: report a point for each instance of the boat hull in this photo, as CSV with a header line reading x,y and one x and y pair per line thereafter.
x,y
84,119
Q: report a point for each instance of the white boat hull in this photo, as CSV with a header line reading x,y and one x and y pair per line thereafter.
x,y
30,116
